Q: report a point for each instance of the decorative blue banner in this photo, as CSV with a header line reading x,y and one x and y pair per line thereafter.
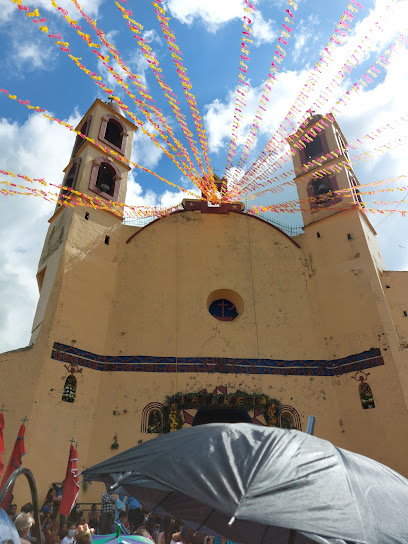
x,y
144,363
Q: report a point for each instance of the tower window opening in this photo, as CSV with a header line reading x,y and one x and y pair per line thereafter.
x,y
313,148
342,145
106,179
355,190
107,238
83,130
349,236
70,181
405,313
223,310
87,215
114,133
318,234
322,189
69,391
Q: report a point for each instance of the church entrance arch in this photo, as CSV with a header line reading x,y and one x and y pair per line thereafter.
x,y
221,415
185,409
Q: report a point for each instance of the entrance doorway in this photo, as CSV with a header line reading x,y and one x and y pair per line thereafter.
x,y
221,415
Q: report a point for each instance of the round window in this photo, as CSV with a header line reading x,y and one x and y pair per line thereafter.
x,y
223,309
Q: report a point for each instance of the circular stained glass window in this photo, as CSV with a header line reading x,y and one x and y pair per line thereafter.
x,y
223,309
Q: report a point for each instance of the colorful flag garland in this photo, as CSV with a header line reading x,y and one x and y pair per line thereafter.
x,y
208,182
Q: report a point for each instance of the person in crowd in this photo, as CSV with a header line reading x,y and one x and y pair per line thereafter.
x,y
119,506
135,515
70,538
142,531
188,536
93,517
51,493
83,534
175,528
12,511
48,505
28,508
155,532
59,488
23,523
50,532
107,513
49,499
82,520
64,531
75,515
120,522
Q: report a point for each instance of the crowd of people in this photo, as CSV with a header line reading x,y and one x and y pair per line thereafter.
x,y
113,512
77,528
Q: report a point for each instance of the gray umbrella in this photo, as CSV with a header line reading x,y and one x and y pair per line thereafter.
x,y
262,485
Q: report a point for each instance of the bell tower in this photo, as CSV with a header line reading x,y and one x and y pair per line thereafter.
x,y
98,169
98,165
325,181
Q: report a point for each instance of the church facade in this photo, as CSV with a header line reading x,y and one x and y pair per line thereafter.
x,y
209,311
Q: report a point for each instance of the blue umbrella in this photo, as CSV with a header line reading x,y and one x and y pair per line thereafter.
x,y
8,530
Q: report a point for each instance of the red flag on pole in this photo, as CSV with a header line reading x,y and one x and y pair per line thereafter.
x,y
2,450
14,461
71,484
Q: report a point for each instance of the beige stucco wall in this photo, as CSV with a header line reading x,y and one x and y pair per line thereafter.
x,y
395,286
309,298
321,300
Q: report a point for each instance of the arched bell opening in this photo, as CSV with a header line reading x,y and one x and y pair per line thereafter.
x,y
105,178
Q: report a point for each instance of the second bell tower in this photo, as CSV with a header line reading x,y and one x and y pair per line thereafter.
x,y
325,180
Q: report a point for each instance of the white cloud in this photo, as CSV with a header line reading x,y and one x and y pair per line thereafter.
x,y
366,36
151,36
215,13
7,10
39,149
219,115
212,12
263,31
305,36
145,151
90,7
137,197
32,57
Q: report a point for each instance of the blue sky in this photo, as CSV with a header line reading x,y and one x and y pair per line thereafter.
x,y
209,36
